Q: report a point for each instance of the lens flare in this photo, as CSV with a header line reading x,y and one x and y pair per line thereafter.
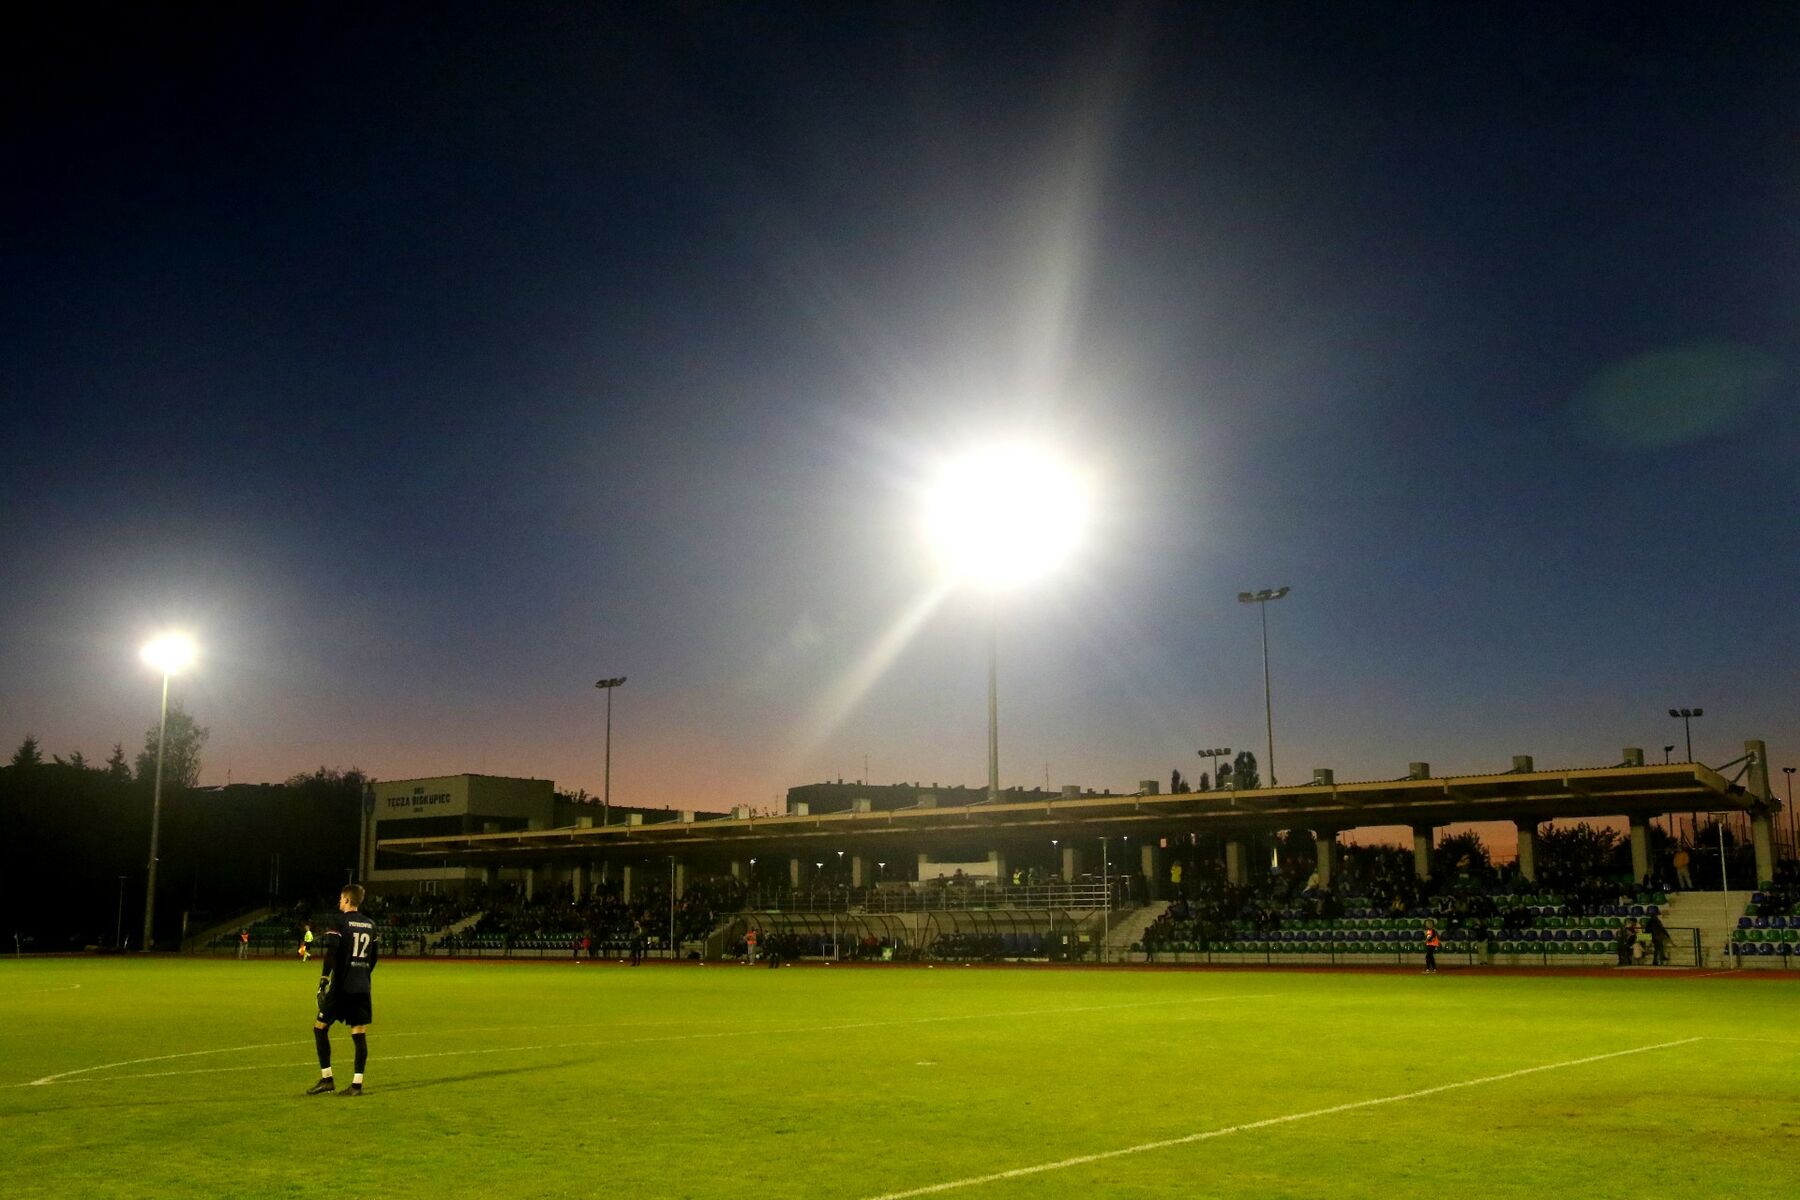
x,y
1006,515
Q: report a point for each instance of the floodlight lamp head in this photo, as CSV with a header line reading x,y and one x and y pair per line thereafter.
x,y
169,653
1245,598
1280,592
1699,712
1006,514
610,683
1674,712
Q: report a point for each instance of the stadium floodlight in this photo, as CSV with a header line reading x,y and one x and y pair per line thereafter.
x,y
170,654
1261,600
1686,717
608,686
1215,753
1007,514
1001,516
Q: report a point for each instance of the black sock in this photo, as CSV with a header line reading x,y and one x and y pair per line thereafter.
x,y
361,1042
322,1039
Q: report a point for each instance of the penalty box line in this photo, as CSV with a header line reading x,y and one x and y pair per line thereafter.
x,y
1290,1118
72,1076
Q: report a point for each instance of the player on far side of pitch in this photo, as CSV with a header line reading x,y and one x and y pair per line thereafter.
x,y
344,988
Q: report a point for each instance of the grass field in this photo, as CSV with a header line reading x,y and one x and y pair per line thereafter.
x,y
550,1079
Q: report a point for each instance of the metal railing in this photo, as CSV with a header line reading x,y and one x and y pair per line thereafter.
x,y
945,898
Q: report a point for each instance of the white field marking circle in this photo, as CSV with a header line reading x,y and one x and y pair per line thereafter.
x,y
73,987
1208,1135
734,1031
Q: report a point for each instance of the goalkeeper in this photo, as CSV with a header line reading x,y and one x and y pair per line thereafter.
x,y
350,952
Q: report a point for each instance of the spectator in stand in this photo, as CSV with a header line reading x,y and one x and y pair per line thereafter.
x,y
1659,940
1682,877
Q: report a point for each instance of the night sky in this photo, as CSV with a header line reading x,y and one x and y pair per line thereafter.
x,y
429,364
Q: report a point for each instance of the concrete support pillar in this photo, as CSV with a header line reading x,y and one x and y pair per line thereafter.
x,y
738,870
1756,782
1762,837
1527,850
625,881
1325,848
1150,863
577,878
1640,848
794,873
1422,835
604,874
531,874
998,858
1071,864
1234,863
680,880
924,861
859,871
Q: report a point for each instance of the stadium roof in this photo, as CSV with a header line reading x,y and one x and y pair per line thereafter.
x,y
1523,795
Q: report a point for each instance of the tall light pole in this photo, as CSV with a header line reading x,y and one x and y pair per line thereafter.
x,y
607,686
1687,715
1261,600
169,653
993,700
1215,753
1002,516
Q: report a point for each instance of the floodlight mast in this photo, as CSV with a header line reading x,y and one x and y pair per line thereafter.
x,y
169,653
1261,600
1687,715
607,686
1000,516
1215,753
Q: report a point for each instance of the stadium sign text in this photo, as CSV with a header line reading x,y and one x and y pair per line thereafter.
x,y
418,801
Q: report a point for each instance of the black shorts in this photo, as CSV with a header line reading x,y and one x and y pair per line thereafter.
x,y
351,1008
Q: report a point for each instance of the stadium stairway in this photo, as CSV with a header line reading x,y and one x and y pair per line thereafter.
x,y
469,922
1715,915
1128,930
199,941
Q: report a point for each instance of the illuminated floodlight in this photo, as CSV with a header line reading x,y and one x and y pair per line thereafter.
x,y
1006,514
169,653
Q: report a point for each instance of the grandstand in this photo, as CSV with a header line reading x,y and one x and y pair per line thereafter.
x,y
913,874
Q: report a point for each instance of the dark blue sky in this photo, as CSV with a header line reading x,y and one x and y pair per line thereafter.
x,y
431,363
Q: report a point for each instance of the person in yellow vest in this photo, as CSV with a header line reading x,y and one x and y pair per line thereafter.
x,y
306,943
1431,948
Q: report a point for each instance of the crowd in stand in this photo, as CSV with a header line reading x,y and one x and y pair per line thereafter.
x,y
601,922
1473,901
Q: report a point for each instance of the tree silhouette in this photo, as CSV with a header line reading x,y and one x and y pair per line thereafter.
x,y
1243,772
28,754
181,750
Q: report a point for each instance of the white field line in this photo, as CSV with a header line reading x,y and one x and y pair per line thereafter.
x,y
735,1031
1208,1135
73,987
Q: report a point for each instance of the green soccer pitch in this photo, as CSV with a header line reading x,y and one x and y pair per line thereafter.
x,y
183,1078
